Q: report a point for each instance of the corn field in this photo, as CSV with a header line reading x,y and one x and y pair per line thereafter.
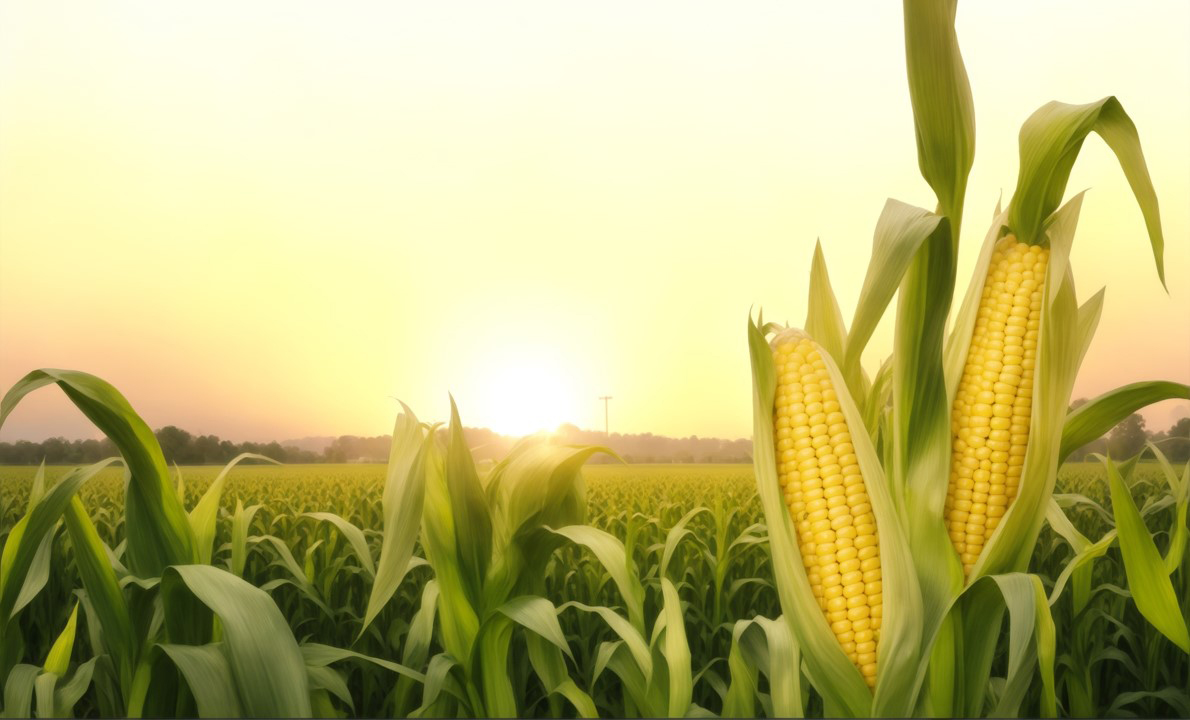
x,y
908,541
321,587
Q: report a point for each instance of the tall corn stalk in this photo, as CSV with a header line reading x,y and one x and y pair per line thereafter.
x,y
941,624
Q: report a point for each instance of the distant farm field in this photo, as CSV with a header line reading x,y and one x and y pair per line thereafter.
x,y
349,489
702,522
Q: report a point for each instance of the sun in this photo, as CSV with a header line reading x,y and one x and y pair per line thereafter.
x,y
524,391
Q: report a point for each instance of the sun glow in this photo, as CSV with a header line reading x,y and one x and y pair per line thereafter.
x,y
522,391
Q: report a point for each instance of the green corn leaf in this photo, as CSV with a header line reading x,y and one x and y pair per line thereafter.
x,y
157,530
674,537
631,639
1143,566
1095,418
319,655
103,589
581,701
1030,639
1179,534
1050,142
614,657
677,651
490,666
58,659
325,682
900,232
469,507
404,494
1046,642
416,650
763,646
943,110
823,319
611,554
784,668
440,679
740,700
240,521
550,666
265,661
37,488
202,518
41,519
539,616
919,431
208,674
68,693
458,618
18,691
421,627
355,538
43,692
38,573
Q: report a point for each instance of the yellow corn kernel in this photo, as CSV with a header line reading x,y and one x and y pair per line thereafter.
x,y
990,418
826,496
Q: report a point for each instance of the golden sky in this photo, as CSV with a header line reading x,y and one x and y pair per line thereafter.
x,y
267,220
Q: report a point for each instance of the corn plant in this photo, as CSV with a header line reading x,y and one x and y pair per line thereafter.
x,y
488,543
903,511
156,646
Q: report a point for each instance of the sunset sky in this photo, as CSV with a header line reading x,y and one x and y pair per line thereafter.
x,y
268,220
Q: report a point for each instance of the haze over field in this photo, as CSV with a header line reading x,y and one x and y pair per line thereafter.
x,y
268,221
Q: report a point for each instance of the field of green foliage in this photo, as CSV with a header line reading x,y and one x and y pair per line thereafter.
x,y
310,537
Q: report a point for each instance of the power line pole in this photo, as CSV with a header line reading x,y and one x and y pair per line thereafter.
x,y
605,398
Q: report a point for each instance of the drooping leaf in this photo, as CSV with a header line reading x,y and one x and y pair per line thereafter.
x,y
208,674
1096,417
900,232
156,526
611,554
1050,142
265,661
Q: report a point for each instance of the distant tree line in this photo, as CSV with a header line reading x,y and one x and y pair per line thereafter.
x,y
178,445
1130,436
184,448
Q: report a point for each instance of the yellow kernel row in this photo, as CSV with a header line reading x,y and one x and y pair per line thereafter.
x,y
990,418
826,496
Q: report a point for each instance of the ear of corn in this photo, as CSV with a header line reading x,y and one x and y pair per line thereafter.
x,y
825,492
827,502
991,413
999,456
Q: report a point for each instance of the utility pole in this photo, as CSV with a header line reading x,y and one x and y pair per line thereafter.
x,y
605,398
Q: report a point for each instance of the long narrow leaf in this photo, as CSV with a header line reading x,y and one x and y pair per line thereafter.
x,y
264,658
156,526
1050,142
1145,569
1094,418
